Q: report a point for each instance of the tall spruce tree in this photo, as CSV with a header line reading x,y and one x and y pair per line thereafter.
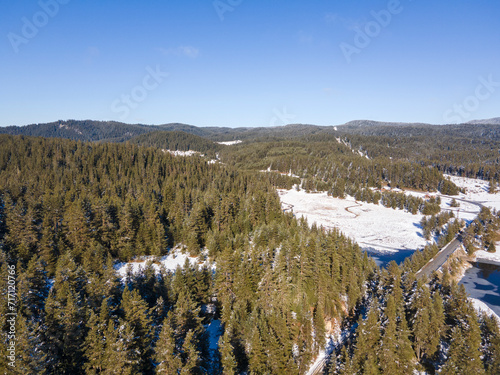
x,y
166,353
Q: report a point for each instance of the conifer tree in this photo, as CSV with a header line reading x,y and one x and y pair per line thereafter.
x,y
367,342
405,353
137,317
463,356
122,357
48,249
421,321
437,324
388,347
190,354
77,228
257,357
33,288
95,341
166,353
491,345
228,360
30,348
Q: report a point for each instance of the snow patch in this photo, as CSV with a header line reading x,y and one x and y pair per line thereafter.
x,y
230,143
170,262
488,258
482,307
182,153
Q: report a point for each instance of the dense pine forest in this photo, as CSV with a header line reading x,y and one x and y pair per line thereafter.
x,y
71,209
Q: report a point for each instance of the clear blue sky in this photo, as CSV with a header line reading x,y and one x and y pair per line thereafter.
x,y
249,62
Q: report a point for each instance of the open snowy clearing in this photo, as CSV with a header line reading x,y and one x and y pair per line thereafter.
x,y
372,226
477,191
381,229
170,262
476,195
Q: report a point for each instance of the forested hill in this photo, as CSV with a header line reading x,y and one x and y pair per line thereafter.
x,y
467,149
70,210
490,131
80,130
491,121
92,131
104,131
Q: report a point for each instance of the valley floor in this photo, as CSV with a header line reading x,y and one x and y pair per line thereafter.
x,y
373,227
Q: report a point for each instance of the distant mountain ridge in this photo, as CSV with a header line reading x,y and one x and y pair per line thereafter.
x,y
491,121
101,131
364,123
112,131
86,130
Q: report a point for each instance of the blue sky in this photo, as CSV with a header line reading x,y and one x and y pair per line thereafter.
x,y
249,62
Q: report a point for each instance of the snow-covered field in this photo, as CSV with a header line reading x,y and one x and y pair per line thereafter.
x,y
372,226
476,195
170,262
477,191
467,211
377,228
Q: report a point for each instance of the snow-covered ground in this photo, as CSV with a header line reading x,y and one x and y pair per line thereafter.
x,y
377,228
482,307
182,153
170,262
476,195
348,144
467,211
372,226
230,143
476,191
489,258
